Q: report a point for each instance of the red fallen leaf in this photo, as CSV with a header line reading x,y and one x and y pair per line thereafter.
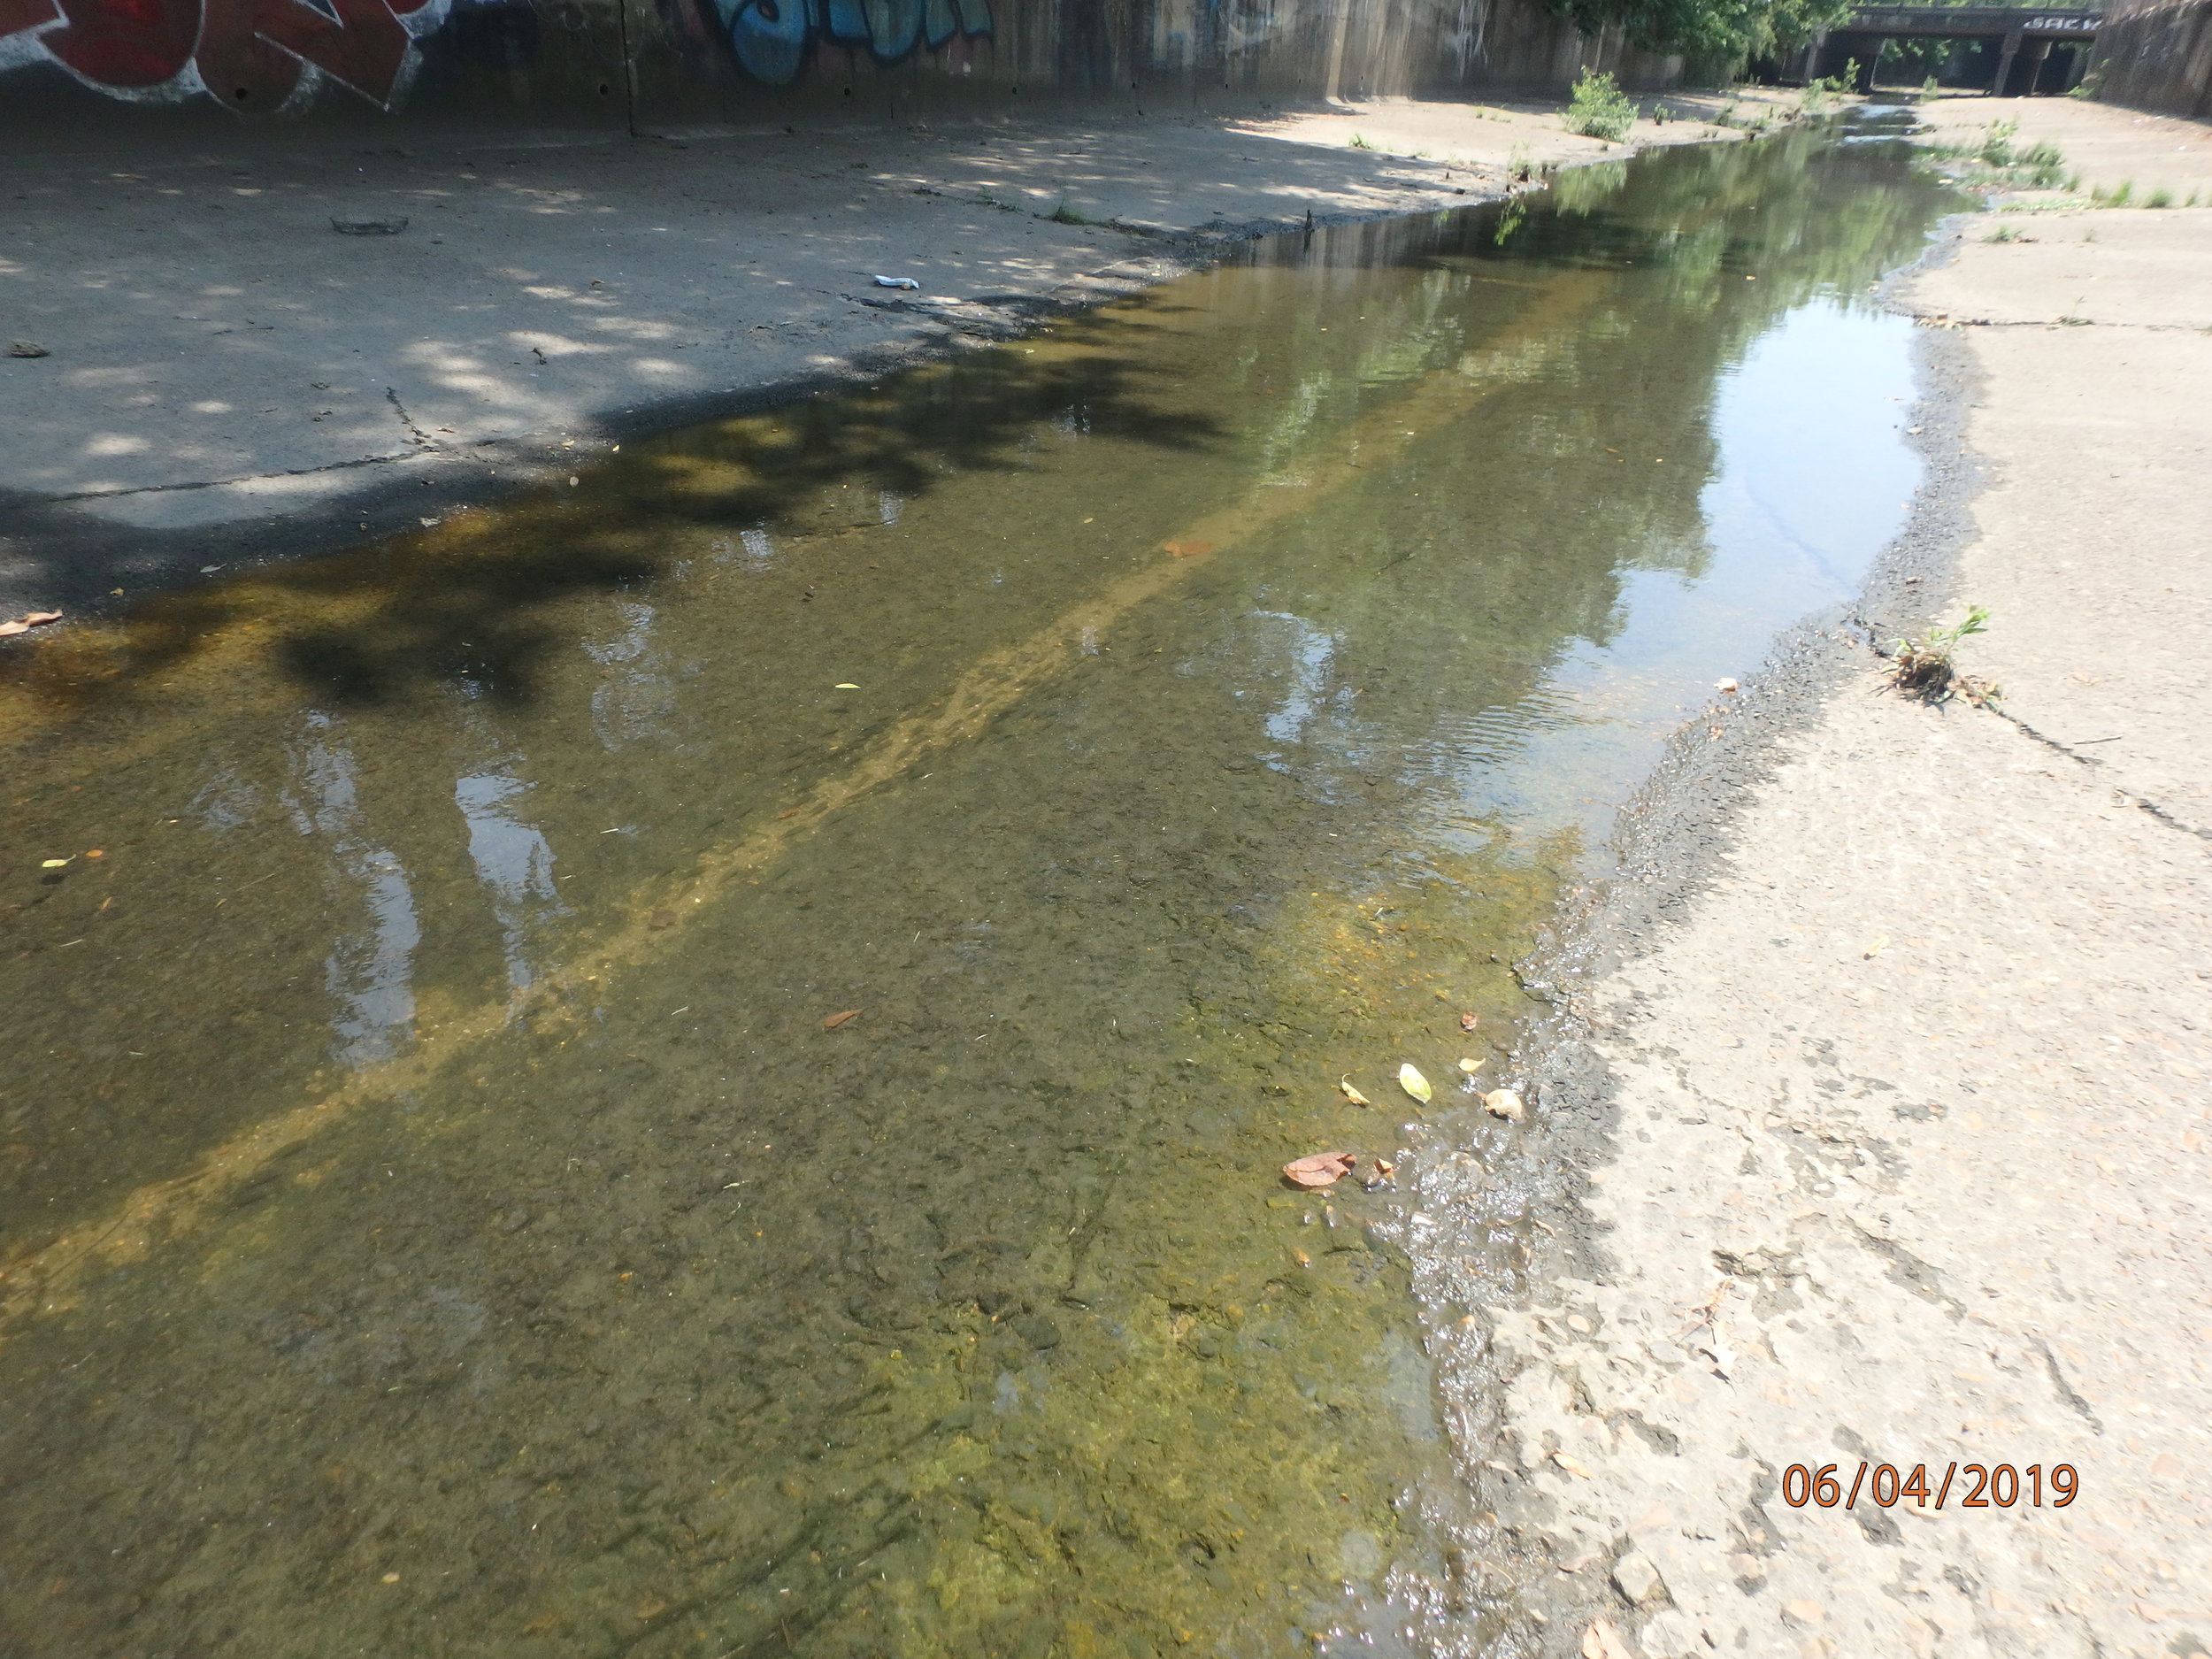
x,y
1323,1169
1187,549
1469,1020
835,1020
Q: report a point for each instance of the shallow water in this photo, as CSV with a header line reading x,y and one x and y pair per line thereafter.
x,y
442,1212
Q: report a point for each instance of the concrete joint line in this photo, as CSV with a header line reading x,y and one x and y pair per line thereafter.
x,y
219,483
2125,798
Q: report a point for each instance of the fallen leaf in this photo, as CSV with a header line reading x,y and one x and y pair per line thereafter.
x,y
661,918
1572,1465
1322,1169
1602,1640
1503,1103
96,853
1302,1258
53,864
791,811
1384,1166
1724,684
844,685
1351,1093
32,619
835,1020
1469,1020
1410,1078
1188,549
1880,944
1470,1067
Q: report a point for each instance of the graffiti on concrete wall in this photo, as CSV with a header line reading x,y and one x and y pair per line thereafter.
x,y
774,39
253,56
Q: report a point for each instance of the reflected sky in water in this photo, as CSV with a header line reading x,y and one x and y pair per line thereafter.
x,y
697,1064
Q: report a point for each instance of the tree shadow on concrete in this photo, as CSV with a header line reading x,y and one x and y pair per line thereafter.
x,y
464,600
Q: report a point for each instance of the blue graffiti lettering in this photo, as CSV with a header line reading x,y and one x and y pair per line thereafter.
x,y
772,38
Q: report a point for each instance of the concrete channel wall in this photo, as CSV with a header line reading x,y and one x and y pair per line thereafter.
x,y
2158,57
76,70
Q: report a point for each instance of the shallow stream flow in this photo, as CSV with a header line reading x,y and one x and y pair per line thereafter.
x,y
699,1064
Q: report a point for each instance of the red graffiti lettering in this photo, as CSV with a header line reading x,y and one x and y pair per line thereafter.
x,y
366,48
249,53
128,43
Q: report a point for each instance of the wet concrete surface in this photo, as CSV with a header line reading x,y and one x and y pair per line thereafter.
x,y
698,1063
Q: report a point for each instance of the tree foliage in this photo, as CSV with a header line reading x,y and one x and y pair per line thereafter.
x,y
1709,29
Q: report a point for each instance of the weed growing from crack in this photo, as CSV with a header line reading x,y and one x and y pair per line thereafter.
x,y
1064,214
1925,668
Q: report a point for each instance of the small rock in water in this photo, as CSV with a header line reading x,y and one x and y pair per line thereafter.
x,y
27,348
1635,1577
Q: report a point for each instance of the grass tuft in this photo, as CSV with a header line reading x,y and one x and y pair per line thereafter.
x,y
1926,668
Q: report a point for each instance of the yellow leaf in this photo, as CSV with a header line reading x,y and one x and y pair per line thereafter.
x,y
1351,1093
53,863
1410,1078
1470,1066
1880,944
845,685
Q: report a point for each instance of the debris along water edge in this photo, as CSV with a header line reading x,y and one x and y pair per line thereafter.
x,y
1552,1577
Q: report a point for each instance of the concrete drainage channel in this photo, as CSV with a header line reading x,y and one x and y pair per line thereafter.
x,y
707,1131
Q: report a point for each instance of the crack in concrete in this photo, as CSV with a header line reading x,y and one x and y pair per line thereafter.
x,y
407,421
2066,1390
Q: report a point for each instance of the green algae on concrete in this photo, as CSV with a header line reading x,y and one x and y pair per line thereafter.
x,y
446,1212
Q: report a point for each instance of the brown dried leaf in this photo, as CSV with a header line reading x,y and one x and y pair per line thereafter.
x,y
1602,1640
1351,1093
1187,549
1469,1020
1322,1169
1572,1465
835,1020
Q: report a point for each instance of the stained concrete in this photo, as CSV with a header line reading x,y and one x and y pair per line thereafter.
x,y
1899,1065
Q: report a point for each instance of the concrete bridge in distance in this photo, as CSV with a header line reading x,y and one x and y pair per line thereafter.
x,y
2022,39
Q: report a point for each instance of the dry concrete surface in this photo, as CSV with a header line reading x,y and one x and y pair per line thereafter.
x,y
227,374
1912,1134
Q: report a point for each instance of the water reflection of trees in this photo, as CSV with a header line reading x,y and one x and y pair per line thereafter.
x,y
718,1322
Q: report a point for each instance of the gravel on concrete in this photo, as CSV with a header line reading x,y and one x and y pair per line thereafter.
x,y
1887,1051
